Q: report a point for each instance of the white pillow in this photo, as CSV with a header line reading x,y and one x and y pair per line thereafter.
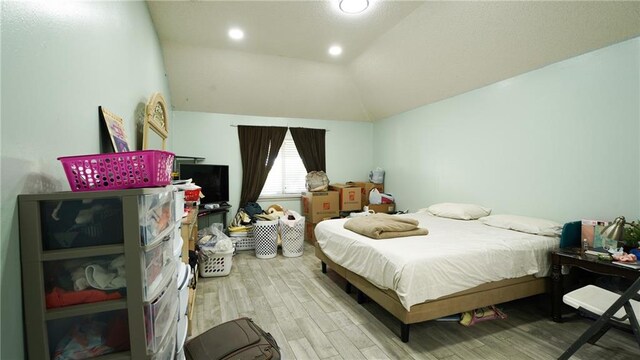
x,y
458,211
524,224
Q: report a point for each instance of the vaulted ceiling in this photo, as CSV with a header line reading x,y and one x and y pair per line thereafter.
x,y
397,55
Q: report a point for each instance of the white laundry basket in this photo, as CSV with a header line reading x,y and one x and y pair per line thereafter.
x,y
266,239
214,263
246,242
292,235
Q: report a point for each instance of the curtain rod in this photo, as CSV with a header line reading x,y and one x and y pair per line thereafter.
x,y
327,130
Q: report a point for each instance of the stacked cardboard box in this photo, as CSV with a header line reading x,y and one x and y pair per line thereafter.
x,y
383,208
317,206
366,188
350,196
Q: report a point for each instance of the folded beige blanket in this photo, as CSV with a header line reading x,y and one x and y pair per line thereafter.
x,y
384,226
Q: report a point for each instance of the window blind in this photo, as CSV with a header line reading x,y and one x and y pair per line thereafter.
x,y
287,176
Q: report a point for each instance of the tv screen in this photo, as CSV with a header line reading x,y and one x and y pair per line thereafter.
x,y
213,179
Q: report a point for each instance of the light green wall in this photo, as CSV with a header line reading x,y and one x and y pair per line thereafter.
x,y
60,61
560,142
212,136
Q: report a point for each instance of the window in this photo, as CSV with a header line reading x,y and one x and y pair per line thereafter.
x,y
287,176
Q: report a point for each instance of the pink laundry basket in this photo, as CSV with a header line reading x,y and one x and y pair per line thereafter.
x,y
116,171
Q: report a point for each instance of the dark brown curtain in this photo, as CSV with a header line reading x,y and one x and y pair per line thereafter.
x,y
311,147
259,146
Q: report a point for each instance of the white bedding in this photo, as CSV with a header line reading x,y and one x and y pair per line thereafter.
x,y
456,255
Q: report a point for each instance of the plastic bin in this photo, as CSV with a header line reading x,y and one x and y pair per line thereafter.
x,y
214,263
292,235
244,242
116,171
160,315
266,239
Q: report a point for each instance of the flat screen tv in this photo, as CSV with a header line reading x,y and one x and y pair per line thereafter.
x,y
213,180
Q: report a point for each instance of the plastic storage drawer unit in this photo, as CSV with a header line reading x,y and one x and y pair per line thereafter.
x,y
160,315
155,214
158,264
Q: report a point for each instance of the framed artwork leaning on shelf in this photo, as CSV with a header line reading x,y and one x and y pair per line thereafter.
x,y
115,130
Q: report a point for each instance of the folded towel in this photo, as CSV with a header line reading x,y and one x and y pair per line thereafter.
x,y
384,226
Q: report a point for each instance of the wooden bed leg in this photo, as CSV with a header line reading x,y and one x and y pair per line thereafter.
x,y
404,332
347,288
324,267
360,296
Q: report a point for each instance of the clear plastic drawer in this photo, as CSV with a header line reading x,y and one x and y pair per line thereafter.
x,y
168,348
160,316
81,223
155,215
84,280
158,265
88,336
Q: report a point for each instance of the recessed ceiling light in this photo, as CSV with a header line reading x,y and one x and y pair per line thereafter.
x,y
335,50
236,34
353,6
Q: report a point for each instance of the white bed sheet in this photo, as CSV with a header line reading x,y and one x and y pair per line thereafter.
x,y
456,255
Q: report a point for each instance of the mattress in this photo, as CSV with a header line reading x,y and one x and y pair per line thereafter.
x,y
456,255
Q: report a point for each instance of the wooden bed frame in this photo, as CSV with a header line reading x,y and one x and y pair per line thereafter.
x,y
479,296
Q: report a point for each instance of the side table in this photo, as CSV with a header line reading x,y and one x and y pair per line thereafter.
x,y
572,257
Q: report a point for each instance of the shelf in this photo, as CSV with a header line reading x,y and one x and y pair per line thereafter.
x,y
194,158
121,222
85,309
82,252
123,355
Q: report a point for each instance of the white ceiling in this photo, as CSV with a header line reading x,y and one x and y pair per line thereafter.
x,y
398,55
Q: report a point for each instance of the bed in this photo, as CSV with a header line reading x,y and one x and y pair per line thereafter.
x,y
459,266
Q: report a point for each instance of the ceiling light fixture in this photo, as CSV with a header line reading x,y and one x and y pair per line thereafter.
x,y
236,34
353,6
335,50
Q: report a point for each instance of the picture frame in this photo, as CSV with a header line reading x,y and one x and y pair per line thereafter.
x,y
156,123
115,130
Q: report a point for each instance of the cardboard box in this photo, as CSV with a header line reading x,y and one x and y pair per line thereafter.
x,y
591,232
365,188
309,234
320,205
383,208
350,196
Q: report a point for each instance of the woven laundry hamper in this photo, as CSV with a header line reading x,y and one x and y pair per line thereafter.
x,y
292,234
266,239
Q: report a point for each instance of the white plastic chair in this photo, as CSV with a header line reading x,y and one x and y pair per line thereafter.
x,y
611,308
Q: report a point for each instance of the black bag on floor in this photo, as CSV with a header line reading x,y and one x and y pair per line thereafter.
x,y
235,339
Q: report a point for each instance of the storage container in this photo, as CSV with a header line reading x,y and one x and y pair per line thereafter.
x,y
180,354
214,263
155,216
192,194
117,171
160,317
184,279
292,235
158,264
181,333
178,242
67,336
178,200
266,239
167,349
84,280
244,242
75,223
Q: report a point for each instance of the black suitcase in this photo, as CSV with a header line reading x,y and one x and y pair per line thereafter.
x,y
235,339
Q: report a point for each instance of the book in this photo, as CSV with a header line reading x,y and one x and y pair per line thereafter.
x,y
633,265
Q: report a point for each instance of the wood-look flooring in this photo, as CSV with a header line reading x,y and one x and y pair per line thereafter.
x,y
312,317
